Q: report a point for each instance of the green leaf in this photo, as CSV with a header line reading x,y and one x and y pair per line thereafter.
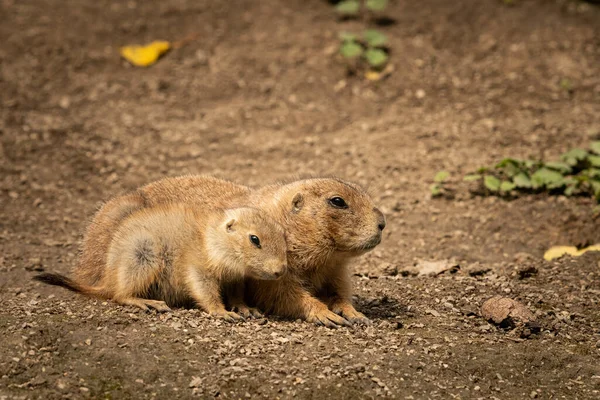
x,y
596,189
511,166
441,176
557,185
472,177
436,190
507,186
482,170
563,168
594,160
348,7
508,161
376,5
491,182
593,173
570,190
545,177
351,49
573,156
522,181
375,38
376,57
348,37
595,146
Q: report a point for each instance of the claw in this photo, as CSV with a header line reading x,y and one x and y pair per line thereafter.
x,y
329,319
228,316
247,312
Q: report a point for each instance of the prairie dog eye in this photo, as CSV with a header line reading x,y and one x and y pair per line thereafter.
x,y
338,202
255,241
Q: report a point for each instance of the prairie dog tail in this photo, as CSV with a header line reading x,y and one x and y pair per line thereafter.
x,y
68,283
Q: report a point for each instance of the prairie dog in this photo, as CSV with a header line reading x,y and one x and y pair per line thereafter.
x,y
209,191
174,254
328,222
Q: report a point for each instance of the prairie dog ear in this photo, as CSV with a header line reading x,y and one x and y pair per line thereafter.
x,y
297,202
229,225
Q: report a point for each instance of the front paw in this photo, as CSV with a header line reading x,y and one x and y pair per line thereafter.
x,y
328,319
247,312
349,312
228,316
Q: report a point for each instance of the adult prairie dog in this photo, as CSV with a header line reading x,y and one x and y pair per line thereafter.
x,y
174,254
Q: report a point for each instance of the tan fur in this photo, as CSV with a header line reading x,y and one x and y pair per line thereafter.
x,y
321,239
206,190
99,234
173,254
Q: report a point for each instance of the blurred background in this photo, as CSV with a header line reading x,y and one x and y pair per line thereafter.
x,y
386,94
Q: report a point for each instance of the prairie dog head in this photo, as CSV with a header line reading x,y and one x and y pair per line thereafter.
x,y
334,213
251,242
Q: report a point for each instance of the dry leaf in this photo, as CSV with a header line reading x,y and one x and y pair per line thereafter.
x,y
144,56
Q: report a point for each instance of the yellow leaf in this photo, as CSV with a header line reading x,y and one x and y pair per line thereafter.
x,y
559,251
373,75
144,56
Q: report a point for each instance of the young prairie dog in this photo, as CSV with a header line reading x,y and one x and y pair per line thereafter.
x,y
211,192
328,222
173,254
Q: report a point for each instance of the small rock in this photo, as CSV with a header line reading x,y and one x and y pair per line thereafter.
x,y
390,270
419,94
526,271
508,313
533,394
35,264
201,57
64,102
433,312
476,269
431,268
196,382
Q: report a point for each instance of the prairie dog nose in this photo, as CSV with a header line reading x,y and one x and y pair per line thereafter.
x,y
380,219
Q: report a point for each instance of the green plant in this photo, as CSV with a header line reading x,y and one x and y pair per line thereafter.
x,y
437,188
577,173
351,8
371,47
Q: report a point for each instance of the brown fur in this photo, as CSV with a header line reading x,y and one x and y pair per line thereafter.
x,y
173,254
321,239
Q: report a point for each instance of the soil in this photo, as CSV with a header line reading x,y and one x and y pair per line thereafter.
x,y
260,94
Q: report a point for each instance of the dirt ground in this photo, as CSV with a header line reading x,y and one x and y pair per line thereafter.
x,y
259,96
